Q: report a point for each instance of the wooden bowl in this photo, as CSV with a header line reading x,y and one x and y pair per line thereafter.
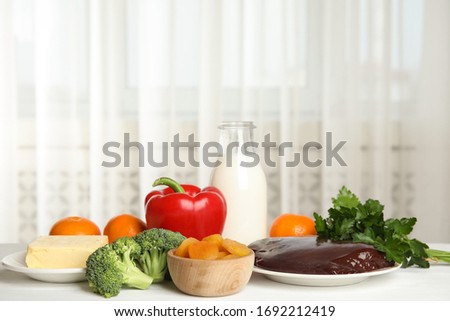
x,y
210,277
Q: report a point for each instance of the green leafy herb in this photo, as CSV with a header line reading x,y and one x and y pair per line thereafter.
x,y
351,220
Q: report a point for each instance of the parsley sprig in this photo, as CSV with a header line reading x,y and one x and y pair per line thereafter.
x,y
351,220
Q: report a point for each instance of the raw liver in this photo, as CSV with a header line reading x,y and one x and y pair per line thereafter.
x,y
310,255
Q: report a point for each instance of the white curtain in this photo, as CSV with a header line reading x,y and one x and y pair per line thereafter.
x,y
77,74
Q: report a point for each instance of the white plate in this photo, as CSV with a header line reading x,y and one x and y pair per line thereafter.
x,y
322,280
16,262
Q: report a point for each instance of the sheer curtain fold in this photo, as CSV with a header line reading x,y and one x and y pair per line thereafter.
x,y
428,128
107,79
45,51
154,88
8,125
357,98
56,135
210,79
97,106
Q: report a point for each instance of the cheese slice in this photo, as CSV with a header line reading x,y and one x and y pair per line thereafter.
x,y
62,251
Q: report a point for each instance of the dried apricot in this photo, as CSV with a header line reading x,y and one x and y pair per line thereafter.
x,y
235,247
203,250
211,247
216,239
183,249
222,254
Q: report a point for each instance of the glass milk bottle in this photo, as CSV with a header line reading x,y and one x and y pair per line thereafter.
x,y
241,179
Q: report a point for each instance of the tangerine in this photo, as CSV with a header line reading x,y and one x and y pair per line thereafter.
x,y
74,225
292,225
123,225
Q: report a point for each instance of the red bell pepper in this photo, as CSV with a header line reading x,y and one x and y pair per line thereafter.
x,y
187,209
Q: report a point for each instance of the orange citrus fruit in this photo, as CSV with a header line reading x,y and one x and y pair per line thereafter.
x,y
292,225
123,225
74,225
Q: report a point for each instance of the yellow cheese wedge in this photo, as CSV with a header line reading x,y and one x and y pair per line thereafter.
x,y
62,251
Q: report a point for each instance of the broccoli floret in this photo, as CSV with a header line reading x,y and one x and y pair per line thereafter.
x,y
155,243
112,266
102,272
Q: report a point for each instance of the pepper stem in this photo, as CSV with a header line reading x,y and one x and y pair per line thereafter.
x,y
177,188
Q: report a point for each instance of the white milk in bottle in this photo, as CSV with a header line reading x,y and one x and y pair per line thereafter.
x,y
242,181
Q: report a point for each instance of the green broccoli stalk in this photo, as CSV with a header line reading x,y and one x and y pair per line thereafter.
x,y
112,266
129,251
155,243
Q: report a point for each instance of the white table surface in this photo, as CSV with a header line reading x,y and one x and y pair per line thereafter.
x,y
431,284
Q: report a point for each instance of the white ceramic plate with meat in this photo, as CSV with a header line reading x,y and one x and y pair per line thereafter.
x,y
322,279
